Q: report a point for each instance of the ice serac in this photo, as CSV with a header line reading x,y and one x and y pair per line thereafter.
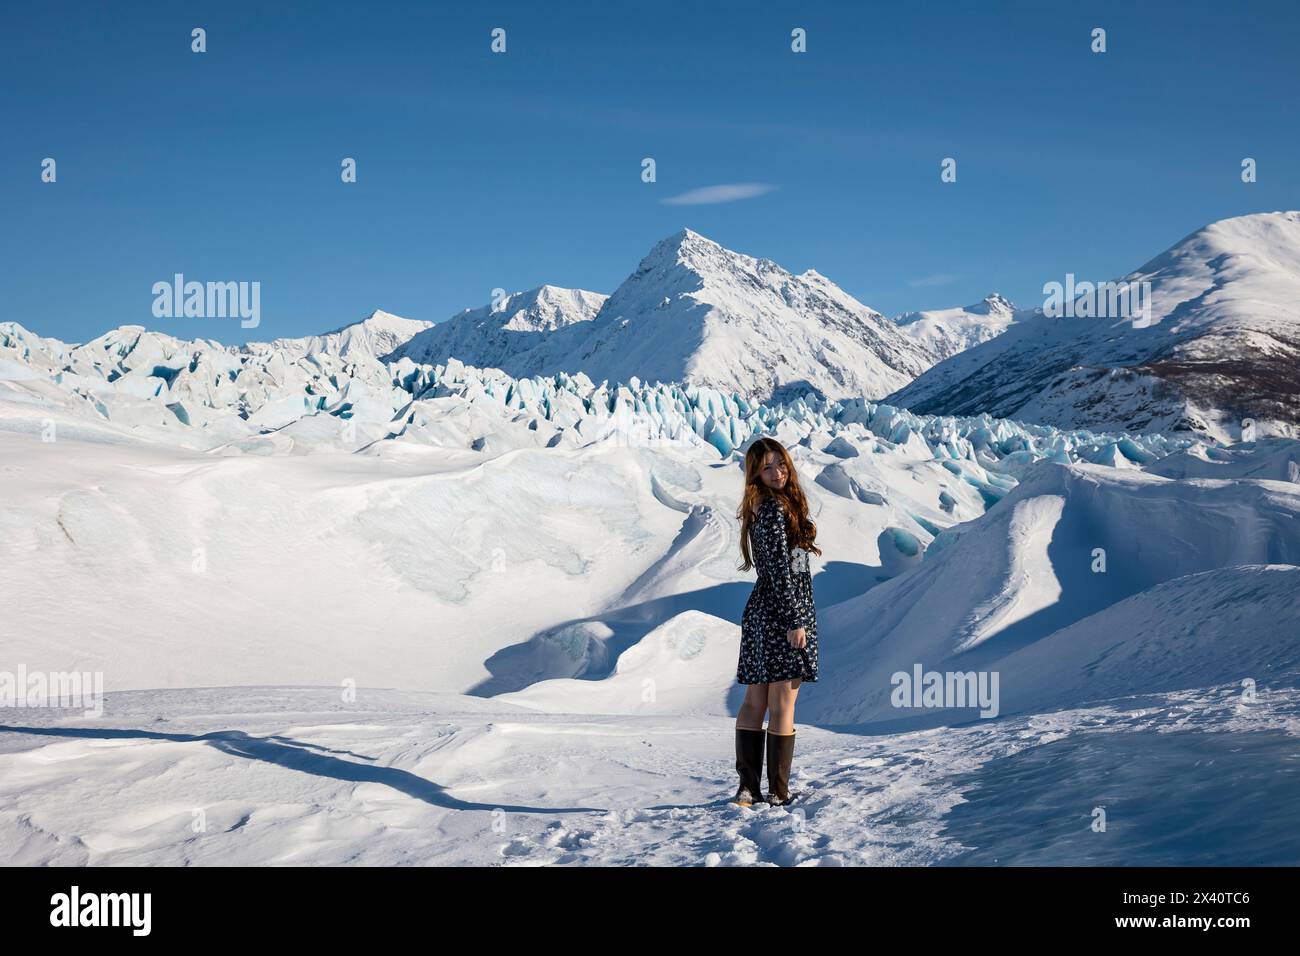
x,y
508,334
945,332
376,335
696,313
1221,354
133,385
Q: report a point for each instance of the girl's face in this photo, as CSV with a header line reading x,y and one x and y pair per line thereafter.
x,y
773,473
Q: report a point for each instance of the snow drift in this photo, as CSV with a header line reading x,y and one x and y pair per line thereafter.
x,y
1082,584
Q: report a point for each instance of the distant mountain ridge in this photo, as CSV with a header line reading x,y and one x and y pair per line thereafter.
x,y
1221,356
945,332
502,335
376,335
696,313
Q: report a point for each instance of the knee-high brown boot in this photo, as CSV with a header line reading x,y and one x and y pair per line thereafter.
x,y
780,751
749,764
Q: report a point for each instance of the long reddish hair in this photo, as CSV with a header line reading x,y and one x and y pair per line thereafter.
x,y
799,528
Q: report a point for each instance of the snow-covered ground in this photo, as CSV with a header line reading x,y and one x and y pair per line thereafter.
x,y
355,611
283,775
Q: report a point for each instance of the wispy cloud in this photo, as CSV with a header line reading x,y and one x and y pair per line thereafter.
x,y
943,278
728,192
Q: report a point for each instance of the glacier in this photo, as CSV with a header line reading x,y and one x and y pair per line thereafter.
x,y
359,607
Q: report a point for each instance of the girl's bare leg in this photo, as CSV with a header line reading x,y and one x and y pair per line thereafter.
x,y
780,704
752,709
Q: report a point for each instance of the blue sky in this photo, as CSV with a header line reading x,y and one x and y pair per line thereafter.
x,y
478,171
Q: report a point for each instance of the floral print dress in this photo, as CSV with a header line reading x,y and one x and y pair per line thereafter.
x,y
782,600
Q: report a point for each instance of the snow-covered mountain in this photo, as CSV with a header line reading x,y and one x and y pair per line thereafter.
x,y
945,332
1223,347
376,335
696,313
504,335
693,313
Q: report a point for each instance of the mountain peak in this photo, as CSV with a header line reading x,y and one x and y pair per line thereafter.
x,y
1274,234
1219,336
697,312
991,304
545,308
377,319
507,333
687,261
684,247
946,332
379,315
377,334
687,236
